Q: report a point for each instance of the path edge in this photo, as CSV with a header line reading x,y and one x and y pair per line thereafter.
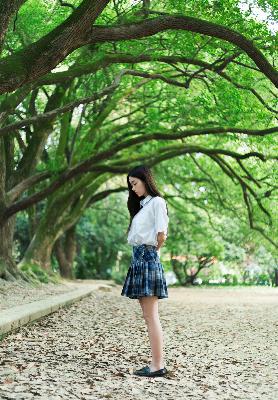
x,y
18,316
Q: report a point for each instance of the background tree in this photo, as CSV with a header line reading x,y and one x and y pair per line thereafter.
x,y
149,82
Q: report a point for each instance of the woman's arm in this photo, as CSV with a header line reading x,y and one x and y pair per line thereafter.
x,y
161,237
161,221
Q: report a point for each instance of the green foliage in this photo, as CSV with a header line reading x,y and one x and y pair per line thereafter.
x,y
208,214
37,274
100,236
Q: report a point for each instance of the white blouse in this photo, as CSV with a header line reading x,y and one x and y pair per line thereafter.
x,y
149,220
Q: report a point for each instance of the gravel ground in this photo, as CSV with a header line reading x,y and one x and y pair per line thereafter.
x,y
220,344
21,292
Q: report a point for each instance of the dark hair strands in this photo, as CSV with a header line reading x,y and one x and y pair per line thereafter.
x,y
133,203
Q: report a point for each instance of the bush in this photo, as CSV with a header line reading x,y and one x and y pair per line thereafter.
x,y
37,274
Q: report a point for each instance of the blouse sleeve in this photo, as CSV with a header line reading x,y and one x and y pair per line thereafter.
x,y
160,216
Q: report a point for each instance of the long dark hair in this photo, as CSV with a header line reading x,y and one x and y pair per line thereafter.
x,y
133,203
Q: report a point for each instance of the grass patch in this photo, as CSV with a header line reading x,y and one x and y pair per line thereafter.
x,y
38,274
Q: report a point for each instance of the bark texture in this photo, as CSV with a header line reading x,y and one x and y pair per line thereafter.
x,y
7,9
65,251
78,30
51,49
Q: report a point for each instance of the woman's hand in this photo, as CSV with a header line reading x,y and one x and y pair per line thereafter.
x,y
161,237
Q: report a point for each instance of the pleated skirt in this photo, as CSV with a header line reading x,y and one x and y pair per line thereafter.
x,y
145,276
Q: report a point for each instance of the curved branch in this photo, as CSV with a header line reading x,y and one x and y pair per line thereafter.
x,y
65,4
53,113
17,190
88,164
248,174
7,9
78,31
152,26
225,166
250,217
109,59
119,166
39,58
49,115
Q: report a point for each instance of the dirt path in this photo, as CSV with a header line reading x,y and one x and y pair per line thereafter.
x,y
21,292
219,344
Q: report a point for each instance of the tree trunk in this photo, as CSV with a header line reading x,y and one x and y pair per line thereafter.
x,y
63,210
276,277
65,251
176,265
41,246
50,228
8,268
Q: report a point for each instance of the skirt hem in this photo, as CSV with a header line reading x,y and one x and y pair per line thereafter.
x,y
144,295
145,276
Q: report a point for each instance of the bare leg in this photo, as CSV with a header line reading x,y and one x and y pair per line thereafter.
x,y
149,306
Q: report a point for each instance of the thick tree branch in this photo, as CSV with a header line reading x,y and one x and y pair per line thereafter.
x,y
102,195
150,27
32,154
120,166
17,190
78,31
177,135
7,9
109,59
86,165
50,50
51,114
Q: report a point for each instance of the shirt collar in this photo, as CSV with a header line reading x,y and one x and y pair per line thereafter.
x,y
145,200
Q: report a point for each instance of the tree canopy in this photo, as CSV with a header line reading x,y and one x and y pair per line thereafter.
x,y
92,88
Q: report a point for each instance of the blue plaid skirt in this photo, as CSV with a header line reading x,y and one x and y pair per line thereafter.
x,y
145,276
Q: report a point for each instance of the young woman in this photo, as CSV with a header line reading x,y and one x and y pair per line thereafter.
x,y
145,278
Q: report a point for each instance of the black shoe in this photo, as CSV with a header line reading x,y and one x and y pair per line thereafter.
x,y
145,371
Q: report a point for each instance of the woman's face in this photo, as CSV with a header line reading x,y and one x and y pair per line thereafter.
x,y
138,186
